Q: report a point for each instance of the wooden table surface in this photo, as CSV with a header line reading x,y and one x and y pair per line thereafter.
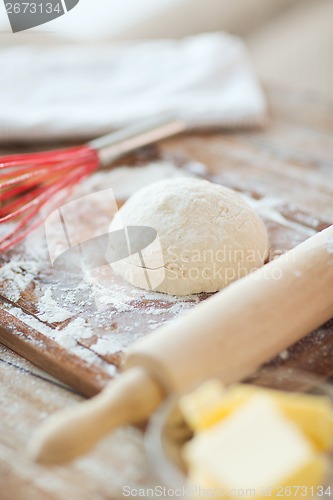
x,y
298,139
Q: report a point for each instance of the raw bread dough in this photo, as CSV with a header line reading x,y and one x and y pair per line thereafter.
x,y
207,237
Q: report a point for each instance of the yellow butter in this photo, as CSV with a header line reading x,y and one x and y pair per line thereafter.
x,y
256,449
309,476
211,403
301,484
204,406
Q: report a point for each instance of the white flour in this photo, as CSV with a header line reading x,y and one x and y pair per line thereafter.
x,y
107,346
49,310
17,275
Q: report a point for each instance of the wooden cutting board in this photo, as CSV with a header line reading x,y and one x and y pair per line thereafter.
x,y
78,327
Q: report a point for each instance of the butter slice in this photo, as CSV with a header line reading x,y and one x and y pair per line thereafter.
x,y
205,405
210,403
255,448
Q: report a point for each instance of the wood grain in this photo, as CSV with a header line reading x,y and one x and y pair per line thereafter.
x,y
85,378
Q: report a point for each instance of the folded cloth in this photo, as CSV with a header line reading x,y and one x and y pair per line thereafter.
x,y
78,92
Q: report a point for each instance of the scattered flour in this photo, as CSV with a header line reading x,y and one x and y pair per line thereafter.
x,y
78,329
30,320
88,356
65,340
268,207
17,275
127,180
66,337
111,370
107,346
284,355
49,309
122,303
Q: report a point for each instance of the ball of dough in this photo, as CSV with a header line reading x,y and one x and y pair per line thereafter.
x,y
207,237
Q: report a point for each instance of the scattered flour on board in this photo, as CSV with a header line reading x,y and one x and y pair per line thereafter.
x,y
107,346
79,329
17,275
284,355
117,298
76,330
67,337
49,309
125,180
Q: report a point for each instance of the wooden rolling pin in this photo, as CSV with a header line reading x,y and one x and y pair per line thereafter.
x,y
232,333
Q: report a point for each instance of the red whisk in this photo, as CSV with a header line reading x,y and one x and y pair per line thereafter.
x,y
33,185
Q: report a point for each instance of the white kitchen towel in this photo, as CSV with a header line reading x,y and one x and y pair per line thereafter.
x,y
81,91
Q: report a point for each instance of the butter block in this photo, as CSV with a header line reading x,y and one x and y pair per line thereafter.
x,y
299,483
210,403
313,414
255,448
204,406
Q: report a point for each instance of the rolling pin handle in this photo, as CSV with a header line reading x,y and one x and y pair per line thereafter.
x,y
74,431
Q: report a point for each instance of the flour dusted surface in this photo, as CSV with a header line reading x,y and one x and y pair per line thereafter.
x,y
91,317
85,314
